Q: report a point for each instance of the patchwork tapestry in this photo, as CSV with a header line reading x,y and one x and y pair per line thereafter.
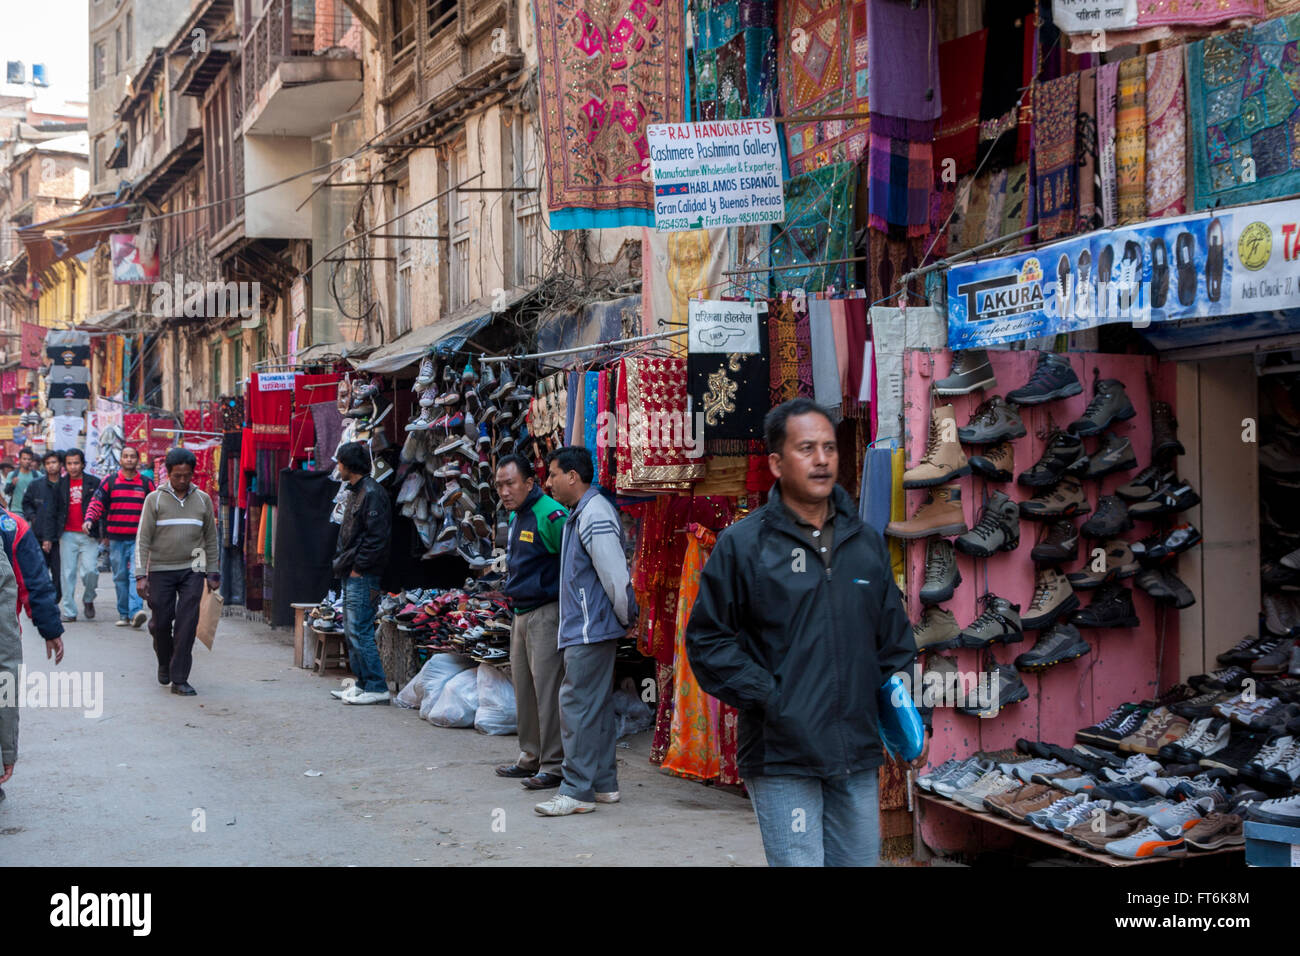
x,y
818,228
735,58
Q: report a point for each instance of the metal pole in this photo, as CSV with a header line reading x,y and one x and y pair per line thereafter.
x,y
802,265
596,346
965,254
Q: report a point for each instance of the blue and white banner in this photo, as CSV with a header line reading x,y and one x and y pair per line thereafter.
x,y
1230,262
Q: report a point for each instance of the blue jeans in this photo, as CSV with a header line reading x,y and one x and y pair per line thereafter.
x,y
121,554
78,560
818,821
360,597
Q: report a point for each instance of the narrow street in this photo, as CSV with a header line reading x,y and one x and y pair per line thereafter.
x,y
122,788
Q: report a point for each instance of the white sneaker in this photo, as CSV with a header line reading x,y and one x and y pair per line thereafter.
x,y
350,688
611,797
368,697
561,806
122,622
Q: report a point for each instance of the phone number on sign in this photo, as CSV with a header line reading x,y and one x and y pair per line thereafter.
x,y
715,222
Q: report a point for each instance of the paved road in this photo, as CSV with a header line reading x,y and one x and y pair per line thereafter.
x,y
125,787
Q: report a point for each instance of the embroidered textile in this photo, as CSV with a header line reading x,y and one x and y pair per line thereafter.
x,y
735,58
957,134
1166,187
1107,96
889,261
1086,148
1015,208
1004,65
732,393
693,749
1056,115
783,382
675,267
607,70
269,412
1131,140
818,228
1183,12
653,391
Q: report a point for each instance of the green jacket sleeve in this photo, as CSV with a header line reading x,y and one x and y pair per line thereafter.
x,y
551,516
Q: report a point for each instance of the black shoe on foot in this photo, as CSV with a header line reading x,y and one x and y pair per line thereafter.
x,y
164,676
90,611
543,781
514,771
184,689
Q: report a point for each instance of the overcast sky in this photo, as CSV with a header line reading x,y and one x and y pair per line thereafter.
x,y
53,32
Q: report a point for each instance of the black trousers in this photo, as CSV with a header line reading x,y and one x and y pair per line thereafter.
x,y
52,562
174,598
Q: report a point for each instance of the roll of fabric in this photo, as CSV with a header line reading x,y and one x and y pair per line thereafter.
x,y
1131,140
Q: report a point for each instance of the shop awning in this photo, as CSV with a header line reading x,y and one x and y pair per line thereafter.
x,y
55,239
107,321
446,335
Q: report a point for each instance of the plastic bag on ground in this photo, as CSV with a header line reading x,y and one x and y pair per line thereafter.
x,y
433,677
632,715
496,703
457,702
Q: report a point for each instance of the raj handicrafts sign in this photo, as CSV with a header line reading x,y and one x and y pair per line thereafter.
x,y
717,174
724,328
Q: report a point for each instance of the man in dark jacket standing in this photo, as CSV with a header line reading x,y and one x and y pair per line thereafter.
x,y
44,508
798,624
533,587
359,560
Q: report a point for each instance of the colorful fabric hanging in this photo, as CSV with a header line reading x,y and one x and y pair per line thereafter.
x,y
1245,138
606,71
825,365
735,58
1156,12
1015,207
693,747
1056,112
889,260
1131,140
653,391
783,381
269,412
1086,148
903,50
957,134
1004,61
730,391
676,267
1166,161
818,229
823,69
1107,104
902,173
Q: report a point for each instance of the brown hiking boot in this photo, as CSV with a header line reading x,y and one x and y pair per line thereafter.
x,y
1042,798
1161,727
1095,831
1053,597
1164,432
1002,802
941,514
995,463
937,630
1118,562
944,460
1065,499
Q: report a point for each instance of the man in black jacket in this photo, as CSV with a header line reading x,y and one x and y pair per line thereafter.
x,y
798,623
45,508
359,560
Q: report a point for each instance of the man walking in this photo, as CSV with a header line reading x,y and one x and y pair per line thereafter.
x,y
533,587
175,546
798,623
359,559
596,609
17,484
78,550
118,504
43,507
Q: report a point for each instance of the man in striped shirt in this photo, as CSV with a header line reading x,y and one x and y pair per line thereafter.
x,y
119,501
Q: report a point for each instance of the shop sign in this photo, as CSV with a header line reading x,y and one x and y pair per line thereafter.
x,y
1231,262
275,381
724,328
716,174
1084,16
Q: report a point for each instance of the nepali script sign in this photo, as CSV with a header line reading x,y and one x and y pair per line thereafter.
x,y
716,174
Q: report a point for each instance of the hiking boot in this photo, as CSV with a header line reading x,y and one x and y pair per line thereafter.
x,y
1110,519
941,514
996,463
1166,587
998,528
1063,454
940,673
1117,563
1146,483
1053,378
1110,403
1215,831
1056,645
1112,606
1053,597
937,630
1065,499
941,574
970,371
1161,727
944,459
999,621
1101,827
1004,687
1059,544
1112,455
1164,432
1122,721
1163,545
993,421
1168,499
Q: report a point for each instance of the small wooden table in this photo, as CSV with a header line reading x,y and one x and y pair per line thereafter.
x,y
302,657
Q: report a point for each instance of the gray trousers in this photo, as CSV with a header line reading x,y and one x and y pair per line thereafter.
x,y
537,668
587,720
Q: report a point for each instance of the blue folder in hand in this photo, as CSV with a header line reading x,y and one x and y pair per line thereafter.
x,y
901,728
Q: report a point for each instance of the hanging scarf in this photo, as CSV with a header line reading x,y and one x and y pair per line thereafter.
x,y
901,173
693,749
1166,160
957,134
1131,140
735,58
818,229
269,411
1086,148
1107,101
1056,111
1006,22
906,98
1015,208
784,351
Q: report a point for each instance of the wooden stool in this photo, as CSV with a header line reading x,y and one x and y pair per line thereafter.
x,y
331,649
300,635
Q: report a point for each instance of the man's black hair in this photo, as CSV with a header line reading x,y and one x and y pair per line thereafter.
x,y
573,458
355,457
774,423
519,461
26,451
75,451
51,454
179,456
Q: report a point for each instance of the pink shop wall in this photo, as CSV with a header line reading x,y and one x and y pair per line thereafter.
x,y
1125,664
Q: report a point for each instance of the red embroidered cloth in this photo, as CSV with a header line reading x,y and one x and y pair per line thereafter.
x,y
269,412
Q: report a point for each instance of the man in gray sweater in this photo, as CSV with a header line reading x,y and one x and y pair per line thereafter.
x,y
596,609
175,548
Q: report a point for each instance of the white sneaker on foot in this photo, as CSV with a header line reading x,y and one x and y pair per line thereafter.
x,y
368,697
122,622
349,689
561,806
611,797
